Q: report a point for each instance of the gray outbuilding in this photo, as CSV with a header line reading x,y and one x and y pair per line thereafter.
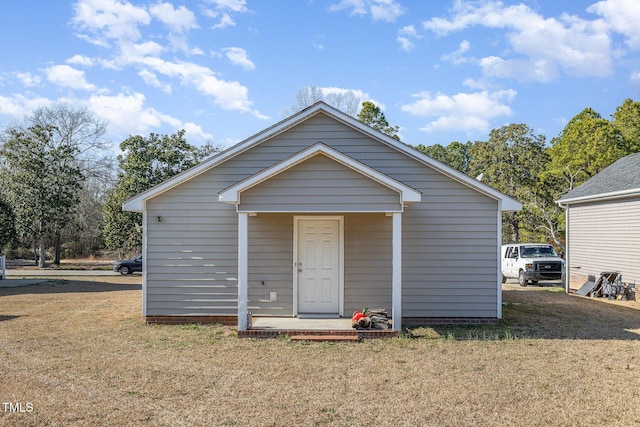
x,y
317,216
603,224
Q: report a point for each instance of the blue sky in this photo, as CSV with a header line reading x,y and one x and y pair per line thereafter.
x,y
223,70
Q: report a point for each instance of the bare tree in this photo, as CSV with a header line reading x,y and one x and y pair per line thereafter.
x,y
78,131
306,97
345,100
78,128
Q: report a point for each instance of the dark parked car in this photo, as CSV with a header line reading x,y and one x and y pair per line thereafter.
x,y
128,266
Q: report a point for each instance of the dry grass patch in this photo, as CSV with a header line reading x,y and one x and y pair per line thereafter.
x,y
80,352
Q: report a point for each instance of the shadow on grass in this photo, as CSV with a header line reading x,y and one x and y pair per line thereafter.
x,y
58,286
548,313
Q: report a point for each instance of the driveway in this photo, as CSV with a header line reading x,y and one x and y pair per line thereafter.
x,y
20,277
13,273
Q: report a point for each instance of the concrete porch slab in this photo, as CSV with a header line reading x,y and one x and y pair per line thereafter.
x,y
320,329
294,323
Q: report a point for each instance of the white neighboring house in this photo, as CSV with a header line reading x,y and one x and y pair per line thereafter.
x,y
320,215
603,224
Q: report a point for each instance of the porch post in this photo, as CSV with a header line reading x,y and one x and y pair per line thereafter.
x,y
243,256
396,273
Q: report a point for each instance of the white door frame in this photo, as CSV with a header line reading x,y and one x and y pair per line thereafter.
x,y
296,226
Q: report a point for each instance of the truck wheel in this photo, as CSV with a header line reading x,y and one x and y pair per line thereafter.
x,y
521,280
504,279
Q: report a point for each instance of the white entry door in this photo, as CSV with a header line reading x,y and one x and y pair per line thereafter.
x,y
318,265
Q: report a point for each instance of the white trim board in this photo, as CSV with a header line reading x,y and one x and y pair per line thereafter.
x,y
407,194
296,226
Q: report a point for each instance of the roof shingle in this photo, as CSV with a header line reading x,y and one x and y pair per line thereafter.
x,y
621,176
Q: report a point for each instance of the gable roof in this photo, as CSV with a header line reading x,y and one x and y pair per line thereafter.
x,y
232,194
620,179
136,203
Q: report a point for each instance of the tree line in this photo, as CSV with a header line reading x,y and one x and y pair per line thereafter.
x,y
518,162
62,189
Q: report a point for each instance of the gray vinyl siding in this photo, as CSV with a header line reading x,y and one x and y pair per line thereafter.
x,y
605,236
450,256
449,239
367,259
271,264
319,184
191,253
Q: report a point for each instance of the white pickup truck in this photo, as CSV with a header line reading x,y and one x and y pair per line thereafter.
x,y
531,262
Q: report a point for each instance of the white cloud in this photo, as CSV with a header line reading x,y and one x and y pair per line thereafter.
x,y
457,56
109,19
119,22
126,114
29,79
358,7
239,6
576,46
180,42
228,95
222,9
132,52
356,93
66,76
225,21
178,20
386,10
406,37
465,14
621,16
238,56
151,79
541,70
475,84
380,10
80,60
461,112
194,131
19,106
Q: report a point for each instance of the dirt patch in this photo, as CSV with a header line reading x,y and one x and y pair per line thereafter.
x,y
79,352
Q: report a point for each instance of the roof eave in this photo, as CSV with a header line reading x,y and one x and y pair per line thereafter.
x,y
510,205
600,197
